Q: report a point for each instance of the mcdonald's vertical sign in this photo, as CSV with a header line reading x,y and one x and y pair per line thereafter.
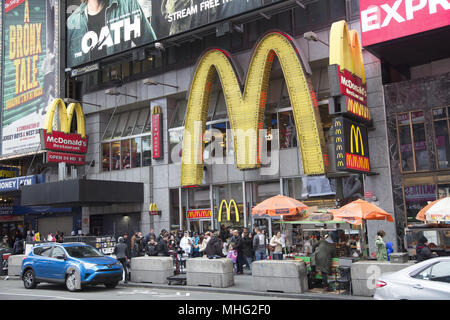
x,y
352,146
346,74
156,133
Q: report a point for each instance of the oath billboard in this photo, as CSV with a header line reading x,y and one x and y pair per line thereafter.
x,y
99,28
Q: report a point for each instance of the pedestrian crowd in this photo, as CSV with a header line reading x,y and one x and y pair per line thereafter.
x,y
240,245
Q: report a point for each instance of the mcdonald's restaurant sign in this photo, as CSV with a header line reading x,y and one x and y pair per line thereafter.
x,y
157,133
346,74
70,147
246,105
199,214
153,210
352,146
228,209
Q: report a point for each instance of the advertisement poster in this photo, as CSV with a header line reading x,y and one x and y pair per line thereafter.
x,y
99,28
28,72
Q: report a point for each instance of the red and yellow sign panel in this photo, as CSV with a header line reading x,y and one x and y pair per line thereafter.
x,y
199,214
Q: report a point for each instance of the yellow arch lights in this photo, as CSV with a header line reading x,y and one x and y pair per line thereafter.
x,y
228,208
65,117
246,108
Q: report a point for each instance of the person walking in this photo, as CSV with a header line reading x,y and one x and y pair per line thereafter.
x,y
259,245
186,244
380,246
276,243
120,250
323,253
18,245
236,239
246,246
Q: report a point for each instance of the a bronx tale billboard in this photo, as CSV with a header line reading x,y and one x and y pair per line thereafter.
x,y
348,100
28,73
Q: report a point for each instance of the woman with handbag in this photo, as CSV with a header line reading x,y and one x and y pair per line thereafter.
x,y
277,246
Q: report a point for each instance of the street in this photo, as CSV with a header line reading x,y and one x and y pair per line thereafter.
x,y
13,289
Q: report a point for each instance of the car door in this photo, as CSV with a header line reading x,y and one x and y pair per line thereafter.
x,y
42,261
433,283
57,267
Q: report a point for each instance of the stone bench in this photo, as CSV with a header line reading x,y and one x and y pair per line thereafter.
x,y
217,273
366,273
151,269
280,275
15,264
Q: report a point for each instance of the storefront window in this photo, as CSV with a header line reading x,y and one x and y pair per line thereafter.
x,y
115,155
175,144
411,132
146,151
136,152
106,156
125,152
288,132
417,197
295,188
142,119
131,123
441,135
227,193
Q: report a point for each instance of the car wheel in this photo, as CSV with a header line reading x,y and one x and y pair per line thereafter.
x,y
111,285
71,282
29,279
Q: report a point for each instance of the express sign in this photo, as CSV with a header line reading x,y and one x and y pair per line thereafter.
x,y
383,20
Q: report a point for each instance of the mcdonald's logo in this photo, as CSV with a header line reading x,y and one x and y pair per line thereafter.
x,y
246,107
338,131
153,209
156,110
339,148
64,140
355,132
228,208
340,155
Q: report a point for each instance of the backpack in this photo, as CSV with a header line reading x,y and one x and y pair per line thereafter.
x,y
151,250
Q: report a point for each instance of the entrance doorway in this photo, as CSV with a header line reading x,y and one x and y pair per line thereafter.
x,y
199,226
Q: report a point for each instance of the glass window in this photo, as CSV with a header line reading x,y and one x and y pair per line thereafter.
x,y
148,123
115,155
146,151
137,67
125,152
136,152
125,70
57,252
115,72
417,197
106,156
180,112
147,64
111,127
43,251
337,9
411,132
143,114
318,12
175,144
131,123
437,272
288,132
123,118
441,135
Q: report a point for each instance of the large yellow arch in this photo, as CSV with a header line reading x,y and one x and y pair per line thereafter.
x,y
65,117
246,110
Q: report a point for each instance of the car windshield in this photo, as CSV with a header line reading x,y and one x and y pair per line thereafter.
x,y
83,252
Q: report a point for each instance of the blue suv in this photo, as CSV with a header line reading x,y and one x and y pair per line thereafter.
x,y
74,264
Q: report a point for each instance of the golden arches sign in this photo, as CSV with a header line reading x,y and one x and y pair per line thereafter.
x,y
355,132
246,109
65,117
228,207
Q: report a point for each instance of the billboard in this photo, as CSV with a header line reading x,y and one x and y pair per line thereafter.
x,y
383,20
28,72
352,146
99,28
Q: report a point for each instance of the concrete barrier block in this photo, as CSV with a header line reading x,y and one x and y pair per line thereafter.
x,y
15,264
399,257
151,263
151,269
216,273
276,275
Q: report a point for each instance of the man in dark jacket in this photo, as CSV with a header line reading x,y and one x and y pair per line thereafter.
x,y
423,251
323,252
161,247
18,245
246,246
120,250
214,247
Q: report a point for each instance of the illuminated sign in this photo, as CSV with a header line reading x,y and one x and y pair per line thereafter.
x,y
199,214
64,141
352,146
383,20
153,210
228,208
246,108
346,74
8,172
156,133
69,158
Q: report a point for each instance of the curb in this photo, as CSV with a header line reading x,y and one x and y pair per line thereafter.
x,y
315,296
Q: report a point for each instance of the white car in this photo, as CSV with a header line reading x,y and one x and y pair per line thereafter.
x,y
426,280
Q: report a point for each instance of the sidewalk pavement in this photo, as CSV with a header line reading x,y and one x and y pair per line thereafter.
x,y
243,286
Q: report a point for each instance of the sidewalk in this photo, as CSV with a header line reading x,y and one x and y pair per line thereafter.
x,y
243,286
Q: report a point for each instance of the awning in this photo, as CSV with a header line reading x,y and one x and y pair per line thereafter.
x,y
80,192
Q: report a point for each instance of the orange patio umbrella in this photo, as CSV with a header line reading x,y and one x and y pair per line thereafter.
x,y
359,210
438,210
280,206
